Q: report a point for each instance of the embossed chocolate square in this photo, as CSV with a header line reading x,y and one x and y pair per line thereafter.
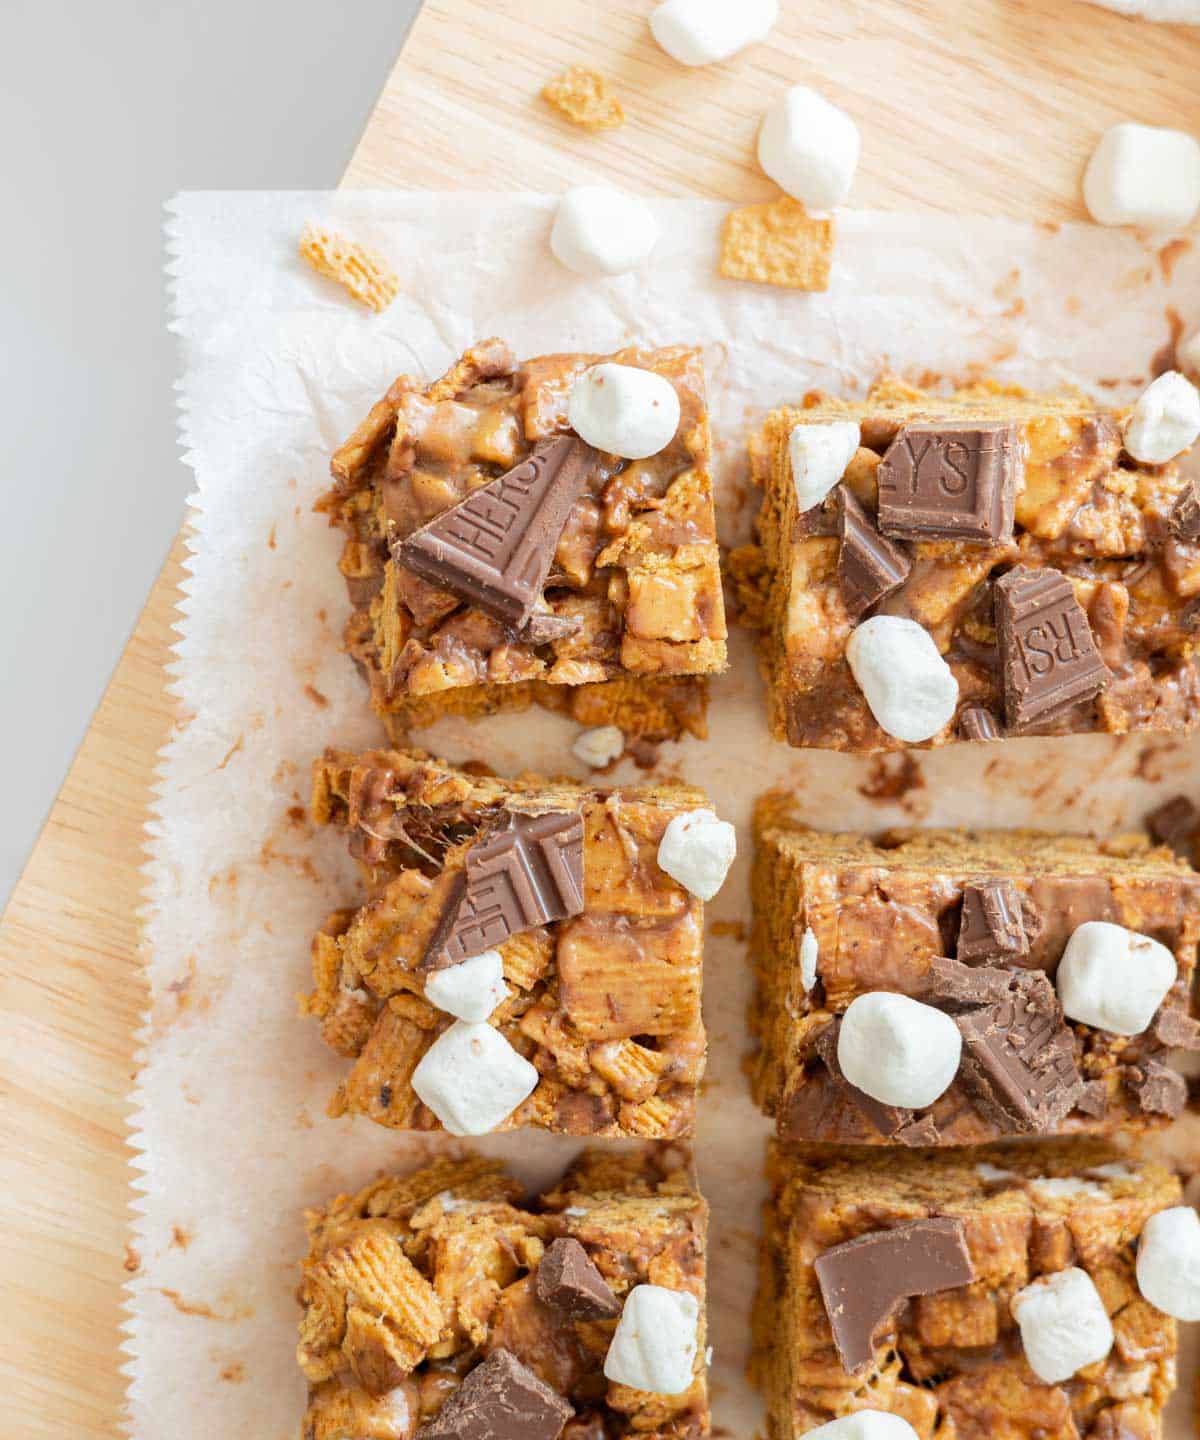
x,y
948,495
522,958
494,560
888,1279
974,925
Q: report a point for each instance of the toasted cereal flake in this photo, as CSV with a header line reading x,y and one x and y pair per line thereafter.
x,y
582,95
367,276
778,243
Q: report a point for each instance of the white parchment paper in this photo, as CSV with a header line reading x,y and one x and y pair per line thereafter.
x,y
278,366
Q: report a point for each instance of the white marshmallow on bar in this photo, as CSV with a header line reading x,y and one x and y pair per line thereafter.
x,y
1168,1262
623,410
819,455
1143,175
602,231
697,849
1113,978
470,990
599,747
910,689
809,148
1165,420
897,1050
865,1425
699,32
472,1078
1064,1325
654,1345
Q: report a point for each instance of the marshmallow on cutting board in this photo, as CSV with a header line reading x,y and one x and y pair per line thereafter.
x,y
699,32
809,148
601,231
1143,175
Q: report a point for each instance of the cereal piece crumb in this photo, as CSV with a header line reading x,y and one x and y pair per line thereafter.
x,y
367,276
779,243
582,95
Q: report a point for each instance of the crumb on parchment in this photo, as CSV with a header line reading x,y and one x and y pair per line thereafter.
x,y
365,274
778,243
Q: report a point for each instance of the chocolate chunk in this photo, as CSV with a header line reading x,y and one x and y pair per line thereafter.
x,y
954,986
992,927
1175,1030
1019,1057
908,1127
1048,655
1184,519
951,482
568,1281
544,627
869,565
1093,1099
500,1400
494,549
1159,1091
865,1281
1176,822
978,723
526,873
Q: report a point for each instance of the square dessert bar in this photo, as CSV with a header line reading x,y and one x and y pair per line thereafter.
x,y
1055,575
974,925
493,559
522,958
888,1282
443,1305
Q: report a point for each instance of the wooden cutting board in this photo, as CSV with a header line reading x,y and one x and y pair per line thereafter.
x,y
988,106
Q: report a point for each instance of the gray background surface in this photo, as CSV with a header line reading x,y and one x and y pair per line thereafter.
x,y
106,108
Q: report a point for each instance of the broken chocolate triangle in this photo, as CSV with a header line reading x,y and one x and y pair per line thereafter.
x,y
526,873
568,1281
865,1281
501,1399
494,549
870,565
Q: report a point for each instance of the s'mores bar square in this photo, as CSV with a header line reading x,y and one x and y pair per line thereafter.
x,y
446,1305
950,987
529,952
538,530
967,567
1013,1291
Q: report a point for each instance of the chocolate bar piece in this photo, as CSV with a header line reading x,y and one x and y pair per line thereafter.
x,y
1048,656
891,915
600,949
869,565
500,1400
493,561
495,548
569,1282
967,486
951,482
951,1361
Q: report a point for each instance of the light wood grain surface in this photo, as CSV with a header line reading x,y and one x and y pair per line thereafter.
x,y
965,105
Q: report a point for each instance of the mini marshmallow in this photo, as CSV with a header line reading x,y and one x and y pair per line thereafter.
x,y
654,1345
993,1174
1064,1187
1168,1262
470,990
599,747
911,690
472,1078
698,32
601,231
808,960
819,456
1064,1325
1113,1171
1143,175
898,1050
697,849
1165,420
623,410
1113,978
865,1425
809,148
